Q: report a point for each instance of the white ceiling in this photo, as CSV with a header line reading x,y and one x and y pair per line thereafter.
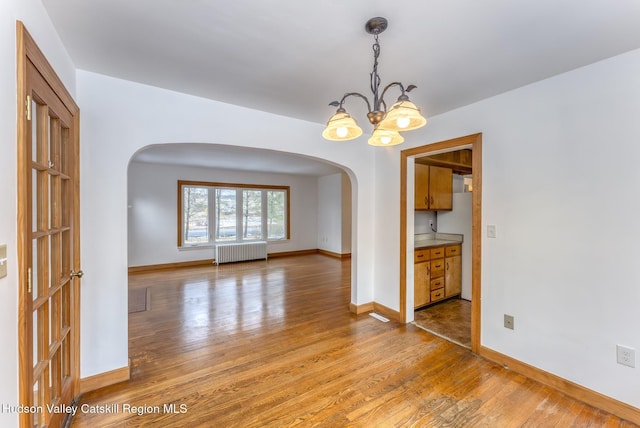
x,y
234,157
292,57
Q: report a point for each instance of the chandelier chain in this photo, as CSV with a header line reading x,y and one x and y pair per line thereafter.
x,y
375,77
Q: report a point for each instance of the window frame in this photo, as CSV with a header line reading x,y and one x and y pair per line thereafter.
x,y
211,218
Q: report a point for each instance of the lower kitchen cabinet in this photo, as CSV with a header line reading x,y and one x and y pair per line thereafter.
x,y
421,278
437,274
453,277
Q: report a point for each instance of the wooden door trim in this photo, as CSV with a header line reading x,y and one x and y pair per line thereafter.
x,y
475,141
28,51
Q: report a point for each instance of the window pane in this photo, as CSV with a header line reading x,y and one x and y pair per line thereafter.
x,y
276,213
195,215
225,215
252,214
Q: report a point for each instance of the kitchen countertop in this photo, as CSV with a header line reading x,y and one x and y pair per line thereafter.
x,y
426,240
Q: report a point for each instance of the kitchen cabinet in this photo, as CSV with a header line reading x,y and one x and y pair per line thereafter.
x,y
421,279
453,271
433,188
437,274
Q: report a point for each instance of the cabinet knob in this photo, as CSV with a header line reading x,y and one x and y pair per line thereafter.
x,y
447,265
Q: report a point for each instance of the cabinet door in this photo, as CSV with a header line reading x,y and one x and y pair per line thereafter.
x,y
421,279
421,187
440,188
453,276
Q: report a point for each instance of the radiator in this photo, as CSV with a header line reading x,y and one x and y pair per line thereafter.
x,y
240,251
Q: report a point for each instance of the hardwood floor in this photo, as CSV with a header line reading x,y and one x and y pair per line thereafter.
x,y
274,344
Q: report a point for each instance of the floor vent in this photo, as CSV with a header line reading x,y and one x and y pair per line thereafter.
x,y
379,317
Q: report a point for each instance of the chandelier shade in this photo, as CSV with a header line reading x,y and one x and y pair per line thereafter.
x,y
402,116
341,127
385,137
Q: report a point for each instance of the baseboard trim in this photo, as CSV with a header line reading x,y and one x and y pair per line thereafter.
x,y
164,266
581,393
195,263
293,253
361,309
109,378
377,308
386,312
335,255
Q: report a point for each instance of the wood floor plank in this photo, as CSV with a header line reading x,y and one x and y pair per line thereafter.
x,y
273,344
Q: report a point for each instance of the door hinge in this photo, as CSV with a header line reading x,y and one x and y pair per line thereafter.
x,y
28,107
29,280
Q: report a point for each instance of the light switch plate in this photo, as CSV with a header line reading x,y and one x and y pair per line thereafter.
x,y
491,231
3,260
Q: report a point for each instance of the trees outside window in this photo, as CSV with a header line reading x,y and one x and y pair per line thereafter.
x,y
218,212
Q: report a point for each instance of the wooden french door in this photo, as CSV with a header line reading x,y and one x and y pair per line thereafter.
x,y
48,216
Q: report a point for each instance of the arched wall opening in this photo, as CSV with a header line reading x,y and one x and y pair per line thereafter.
x,y
321,200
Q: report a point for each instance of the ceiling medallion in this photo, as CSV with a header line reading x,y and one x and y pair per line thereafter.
x,y
402,116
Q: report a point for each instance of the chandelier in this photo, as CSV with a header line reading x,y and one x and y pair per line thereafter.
x,y
402,116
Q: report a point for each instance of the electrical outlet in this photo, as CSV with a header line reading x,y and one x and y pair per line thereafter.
x,y
491,231
626,355
508,321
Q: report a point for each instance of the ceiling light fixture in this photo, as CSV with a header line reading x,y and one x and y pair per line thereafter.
x,y
402,116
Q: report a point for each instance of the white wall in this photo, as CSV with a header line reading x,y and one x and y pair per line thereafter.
x,y
35,18
329,237
559,161
152,200
346,214
118,119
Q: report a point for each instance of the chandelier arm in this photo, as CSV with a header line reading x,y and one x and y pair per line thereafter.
x,y
355,94
390,85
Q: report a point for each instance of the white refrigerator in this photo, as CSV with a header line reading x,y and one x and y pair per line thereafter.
x,y
458,220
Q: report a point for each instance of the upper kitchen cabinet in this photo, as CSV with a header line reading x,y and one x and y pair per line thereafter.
x,y
433,188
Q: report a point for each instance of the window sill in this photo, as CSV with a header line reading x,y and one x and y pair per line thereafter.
x,y
195,247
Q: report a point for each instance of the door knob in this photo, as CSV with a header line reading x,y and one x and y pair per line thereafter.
x,y
77,274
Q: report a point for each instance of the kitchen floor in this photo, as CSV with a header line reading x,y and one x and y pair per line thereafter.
x,y
450,319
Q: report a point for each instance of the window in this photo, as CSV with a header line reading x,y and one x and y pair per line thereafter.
x,y
219,212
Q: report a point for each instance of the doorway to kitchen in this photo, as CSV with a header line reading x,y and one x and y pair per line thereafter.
x,y
425,226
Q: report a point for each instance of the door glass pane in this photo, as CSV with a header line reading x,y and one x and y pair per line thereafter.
x,y
252,214
43,279
54,380
34,131
34,200
54,143
54,200
65,309
55,267
66,253
64,148
276,214
36,350
37,417
195,214
65,203
40,205
225,204
34,269
66,359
